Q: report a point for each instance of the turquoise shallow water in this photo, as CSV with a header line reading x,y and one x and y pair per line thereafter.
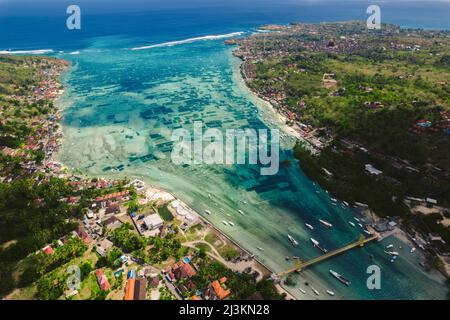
x,y
120,109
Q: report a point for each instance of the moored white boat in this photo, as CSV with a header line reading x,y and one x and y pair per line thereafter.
x,y
352,224
315,291
309,226
325,223
331,293
340,277
392,253
317,245
224,222
293,241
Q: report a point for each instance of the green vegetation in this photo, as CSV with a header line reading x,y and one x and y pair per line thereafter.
x,y
161,249
126,239
33,216
350,182
164,294
165,214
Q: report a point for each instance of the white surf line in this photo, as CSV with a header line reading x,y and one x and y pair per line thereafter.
x,y
190,40
40,51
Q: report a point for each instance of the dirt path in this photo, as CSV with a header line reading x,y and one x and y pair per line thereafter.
x,y
235,266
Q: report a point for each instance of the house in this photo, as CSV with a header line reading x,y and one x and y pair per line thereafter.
x,y
129,289
47,250
170,276
216,290
70,294
102,280
8,151
90,214
101,201
113,209
392,225
431,201
186,271
435,237
153,221
112,223
136,289
154,281
103,247
372,170
140,289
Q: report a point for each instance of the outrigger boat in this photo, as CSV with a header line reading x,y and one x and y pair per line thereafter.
x,y
294,242
317,245
325,223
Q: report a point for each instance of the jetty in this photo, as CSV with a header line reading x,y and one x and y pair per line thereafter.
x,y
300,265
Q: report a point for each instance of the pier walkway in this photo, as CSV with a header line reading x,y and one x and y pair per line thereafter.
x,y
300,265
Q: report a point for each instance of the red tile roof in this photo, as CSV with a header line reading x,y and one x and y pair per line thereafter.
x,y
48,250
102,280
112,196
221,293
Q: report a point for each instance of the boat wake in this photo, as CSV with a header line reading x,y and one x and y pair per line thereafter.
x,y
190,40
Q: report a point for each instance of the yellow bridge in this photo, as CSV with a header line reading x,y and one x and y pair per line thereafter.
x,y
300,265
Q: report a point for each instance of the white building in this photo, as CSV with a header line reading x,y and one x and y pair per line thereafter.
x,y
372,170
153,221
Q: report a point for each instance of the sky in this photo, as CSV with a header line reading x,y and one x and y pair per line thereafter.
x,y
58,7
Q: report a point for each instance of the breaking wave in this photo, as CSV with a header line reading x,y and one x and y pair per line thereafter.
x,y
190,40
40,51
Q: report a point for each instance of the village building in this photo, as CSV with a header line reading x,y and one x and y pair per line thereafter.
x,y
48,250
372,170
140,289
217,291
112,208
102,280
112,223
116,196
136,289
82,234
153,221
103,247
185,271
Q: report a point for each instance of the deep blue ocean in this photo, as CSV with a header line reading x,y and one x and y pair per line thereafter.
x,y
121,105
30,24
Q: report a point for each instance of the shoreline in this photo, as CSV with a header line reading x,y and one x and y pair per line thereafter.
x,y
399,232
269,106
